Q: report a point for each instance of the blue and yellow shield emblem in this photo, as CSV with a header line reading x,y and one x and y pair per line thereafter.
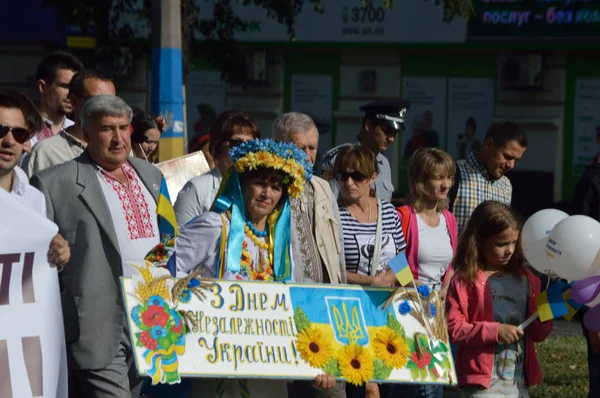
x,y
347,320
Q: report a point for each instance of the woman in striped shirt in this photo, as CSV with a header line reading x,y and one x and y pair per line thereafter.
x,y
355,169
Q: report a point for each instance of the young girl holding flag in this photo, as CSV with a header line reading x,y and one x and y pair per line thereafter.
x,y
490,294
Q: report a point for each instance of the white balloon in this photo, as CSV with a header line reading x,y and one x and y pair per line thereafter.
x,y
573,248
534,235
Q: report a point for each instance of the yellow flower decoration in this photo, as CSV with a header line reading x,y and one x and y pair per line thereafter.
x,y
313,347
356,364
390,347
253,160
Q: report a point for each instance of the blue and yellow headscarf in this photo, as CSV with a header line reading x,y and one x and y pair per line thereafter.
x,y
250,156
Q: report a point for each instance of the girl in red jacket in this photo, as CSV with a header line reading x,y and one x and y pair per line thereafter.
x,y
490,294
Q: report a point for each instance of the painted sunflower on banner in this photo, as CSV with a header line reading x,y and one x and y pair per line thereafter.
x,y
355,363
390,347
314,347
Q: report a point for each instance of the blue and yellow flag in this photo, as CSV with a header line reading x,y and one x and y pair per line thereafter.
x,y
167,223
556,301
572,305
399,265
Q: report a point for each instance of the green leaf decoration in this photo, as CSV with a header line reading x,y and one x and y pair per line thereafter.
x,y
433,376
300,319
138,341
173,337
380,370
438,346
423,373
396,326
445,362
415,373
411,344
422,341
164,342
332,368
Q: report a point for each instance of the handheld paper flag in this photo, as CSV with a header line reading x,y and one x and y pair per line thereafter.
x,y
399,265
572,305
167,223
556,301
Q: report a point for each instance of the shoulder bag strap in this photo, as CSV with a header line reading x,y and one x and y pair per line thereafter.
x,y
377,252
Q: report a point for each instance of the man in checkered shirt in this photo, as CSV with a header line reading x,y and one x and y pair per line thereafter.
x,y
481,176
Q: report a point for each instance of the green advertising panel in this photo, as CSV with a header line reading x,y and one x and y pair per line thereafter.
x,y
572,19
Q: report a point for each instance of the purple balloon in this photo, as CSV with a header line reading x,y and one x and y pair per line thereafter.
x,y
591,319
586,290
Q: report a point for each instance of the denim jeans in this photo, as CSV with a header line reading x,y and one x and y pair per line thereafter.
x,y
416,391
593,366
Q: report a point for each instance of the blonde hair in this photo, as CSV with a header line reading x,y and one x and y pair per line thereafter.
x,y
488,219
425,164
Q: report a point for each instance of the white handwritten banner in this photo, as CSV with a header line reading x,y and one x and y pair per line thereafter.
x,y
32,343
291,331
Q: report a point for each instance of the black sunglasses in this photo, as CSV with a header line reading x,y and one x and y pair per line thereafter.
x,y
355,175
20,134
235,142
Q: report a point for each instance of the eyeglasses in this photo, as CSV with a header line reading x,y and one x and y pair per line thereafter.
x,y
235,142
20,134
355,175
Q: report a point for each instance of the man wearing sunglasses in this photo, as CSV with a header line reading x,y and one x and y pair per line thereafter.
x,y
13,136
383,121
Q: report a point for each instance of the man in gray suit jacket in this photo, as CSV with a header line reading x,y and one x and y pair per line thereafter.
x,y
105,206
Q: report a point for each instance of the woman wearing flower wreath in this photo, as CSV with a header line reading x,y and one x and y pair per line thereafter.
x,y
246,236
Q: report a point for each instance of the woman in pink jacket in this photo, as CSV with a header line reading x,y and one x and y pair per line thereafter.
x,y
429,228
491,294
431,235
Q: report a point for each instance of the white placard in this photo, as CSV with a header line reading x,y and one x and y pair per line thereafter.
x,y
284,331
469,98
32,340
313,94
426,120
586,123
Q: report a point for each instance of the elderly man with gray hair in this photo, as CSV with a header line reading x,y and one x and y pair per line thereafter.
x,y
104,203
316,230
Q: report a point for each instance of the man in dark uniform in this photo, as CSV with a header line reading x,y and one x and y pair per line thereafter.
x,y
382,122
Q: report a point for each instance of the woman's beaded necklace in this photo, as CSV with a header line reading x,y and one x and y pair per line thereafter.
x,y
254,235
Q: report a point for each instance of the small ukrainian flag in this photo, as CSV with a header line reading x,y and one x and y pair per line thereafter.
x,y
556,301
399,265
167,223
572,305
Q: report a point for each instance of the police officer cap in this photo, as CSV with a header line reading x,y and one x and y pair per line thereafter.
x,y
392,111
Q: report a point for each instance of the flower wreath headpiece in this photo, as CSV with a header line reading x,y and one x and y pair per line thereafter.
x,y
251,155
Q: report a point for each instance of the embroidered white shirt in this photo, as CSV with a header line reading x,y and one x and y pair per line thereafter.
x,y
133,213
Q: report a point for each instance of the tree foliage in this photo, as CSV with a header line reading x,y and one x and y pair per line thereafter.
x,y
219,49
